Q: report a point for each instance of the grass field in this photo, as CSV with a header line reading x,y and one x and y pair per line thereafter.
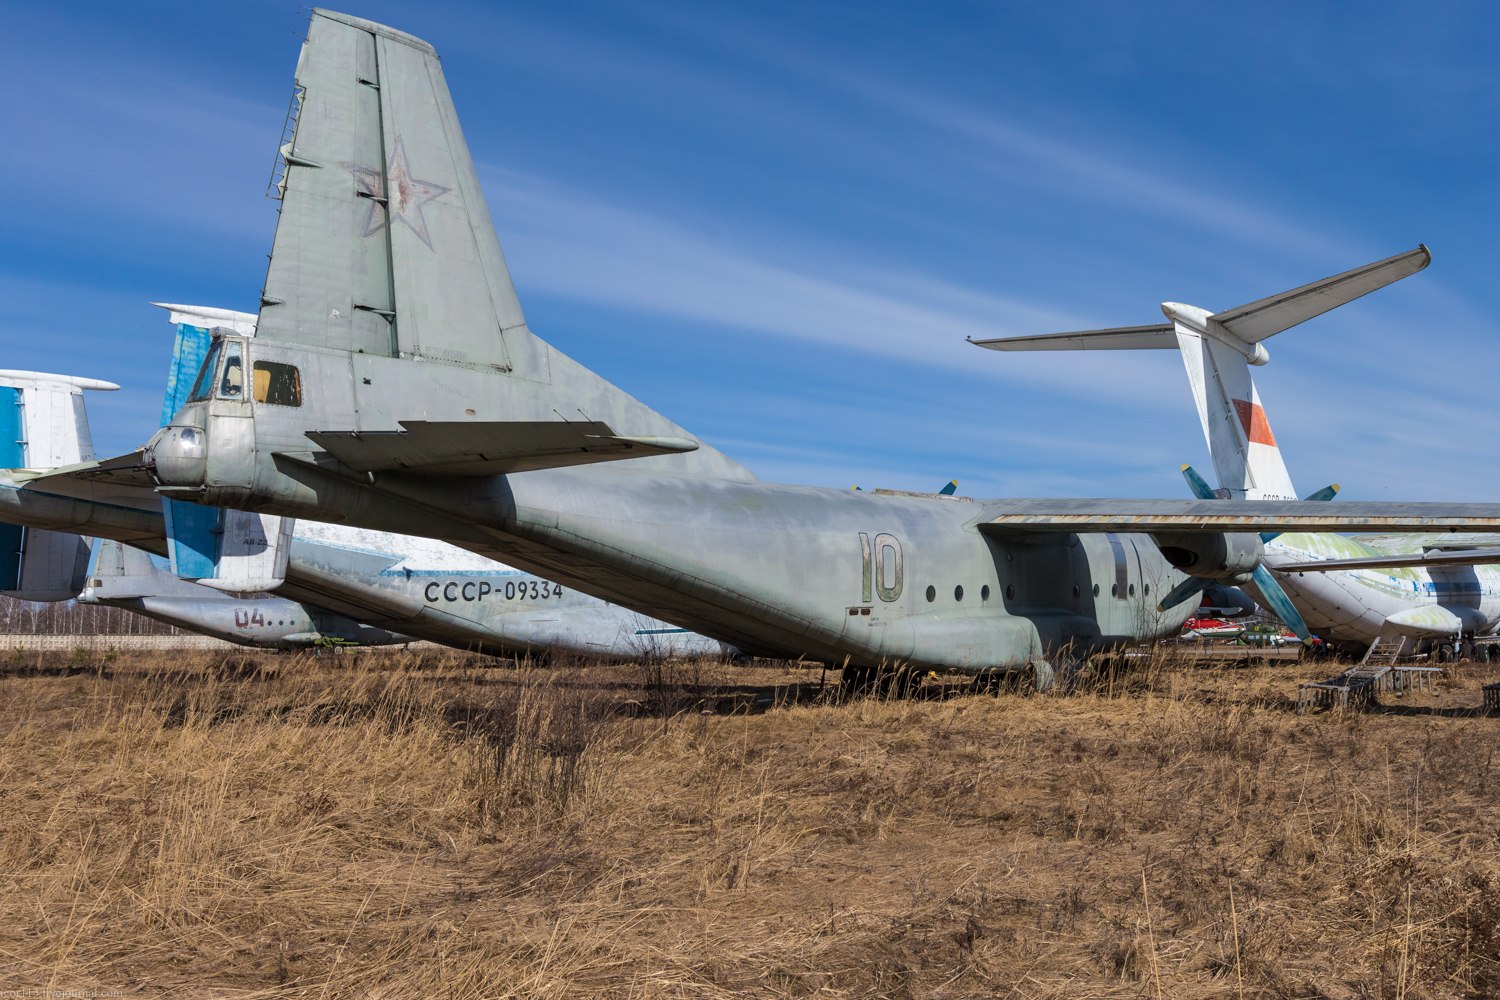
x,y
395,825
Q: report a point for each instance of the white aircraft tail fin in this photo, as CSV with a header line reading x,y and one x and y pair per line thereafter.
x,y
43,425
1218,349
120,572
1244,450
43,422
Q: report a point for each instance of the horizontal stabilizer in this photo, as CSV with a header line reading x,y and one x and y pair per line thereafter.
x,y
210,318
1430,558
121,572
1158,336
486,449
1014,516
124,470
16,377
1255,321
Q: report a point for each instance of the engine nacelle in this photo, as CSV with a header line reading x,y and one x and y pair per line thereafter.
x,y
1229,556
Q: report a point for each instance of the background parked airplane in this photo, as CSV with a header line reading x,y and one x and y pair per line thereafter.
x,y
1349,589
43,425
125,577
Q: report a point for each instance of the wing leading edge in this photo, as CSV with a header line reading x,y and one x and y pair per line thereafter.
x,y
1017,516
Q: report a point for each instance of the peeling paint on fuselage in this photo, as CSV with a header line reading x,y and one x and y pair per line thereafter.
x,y
1356,605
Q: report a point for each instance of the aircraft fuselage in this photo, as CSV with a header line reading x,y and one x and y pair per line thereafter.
x,y
1359,605
869,578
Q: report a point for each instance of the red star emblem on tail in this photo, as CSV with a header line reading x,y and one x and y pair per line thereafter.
x,y
403,201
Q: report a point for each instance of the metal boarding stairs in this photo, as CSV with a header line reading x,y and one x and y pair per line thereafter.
x,y
1381,669
1387,651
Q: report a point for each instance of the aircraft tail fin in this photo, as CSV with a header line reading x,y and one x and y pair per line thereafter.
x,y
121,572
43,425
377,186
386,263
1246,456
1218,349
195,326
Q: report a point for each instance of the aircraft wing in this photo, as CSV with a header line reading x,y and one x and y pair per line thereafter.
x,y
457,448
1430,558
1019,516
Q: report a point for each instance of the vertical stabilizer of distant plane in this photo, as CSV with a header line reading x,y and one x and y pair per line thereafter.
x,y
195,326
1244,450
43,425
1217,350
121,572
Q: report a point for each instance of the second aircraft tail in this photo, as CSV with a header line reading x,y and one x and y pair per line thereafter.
x,y
43,425
1218,349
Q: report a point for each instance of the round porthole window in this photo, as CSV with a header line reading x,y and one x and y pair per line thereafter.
x,y
984,592
958,593
1132,590
1010,592
1114,590
1146,589
1076,591
931,594
1096,590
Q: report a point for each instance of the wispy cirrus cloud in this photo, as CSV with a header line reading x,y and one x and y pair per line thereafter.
x,y
574,246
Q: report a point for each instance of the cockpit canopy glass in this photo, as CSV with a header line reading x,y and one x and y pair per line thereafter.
x,y
204,384
232,385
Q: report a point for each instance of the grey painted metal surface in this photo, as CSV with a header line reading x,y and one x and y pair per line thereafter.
x,y
395,583
124,577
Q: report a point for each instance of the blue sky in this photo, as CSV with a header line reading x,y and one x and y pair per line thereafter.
x,y
776,222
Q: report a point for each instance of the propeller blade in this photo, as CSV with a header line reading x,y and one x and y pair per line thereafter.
x,y
1190,587
1198,484
1277,601
1270,590
1326,493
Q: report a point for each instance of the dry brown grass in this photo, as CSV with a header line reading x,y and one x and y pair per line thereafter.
x,y
393,826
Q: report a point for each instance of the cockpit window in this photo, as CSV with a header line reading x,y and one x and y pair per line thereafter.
x,y
232,385
204,384
277,384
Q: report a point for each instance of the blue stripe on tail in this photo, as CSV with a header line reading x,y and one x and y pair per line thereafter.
x,y
193,532
12,456
188,351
